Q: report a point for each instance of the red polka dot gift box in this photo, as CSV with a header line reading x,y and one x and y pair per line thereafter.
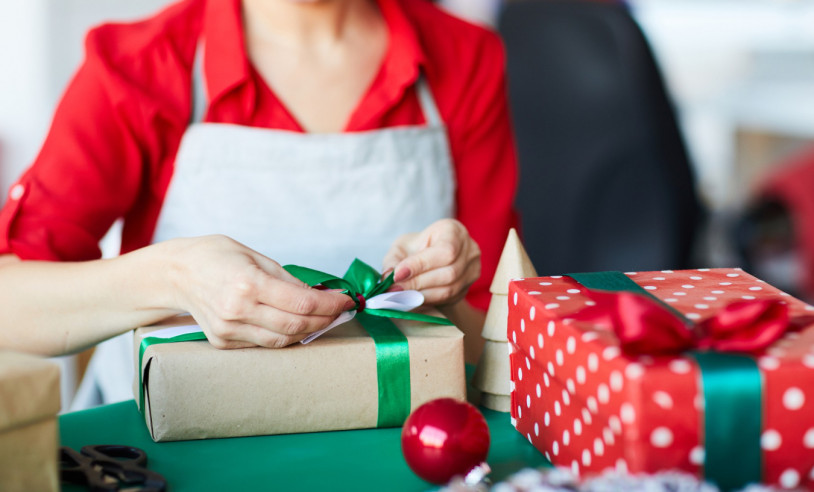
x,y
707,371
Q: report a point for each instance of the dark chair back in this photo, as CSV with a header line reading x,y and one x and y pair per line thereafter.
x,y
605,182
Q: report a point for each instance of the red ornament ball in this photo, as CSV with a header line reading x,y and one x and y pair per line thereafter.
x,y
443,438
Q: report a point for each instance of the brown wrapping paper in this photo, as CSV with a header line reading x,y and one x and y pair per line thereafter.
x,y
29,402
195,391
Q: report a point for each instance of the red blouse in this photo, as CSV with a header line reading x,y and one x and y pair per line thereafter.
x,y
114,136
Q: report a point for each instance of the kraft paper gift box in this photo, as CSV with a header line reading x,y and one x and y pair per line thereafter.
x,y
29,403
588,405
195,391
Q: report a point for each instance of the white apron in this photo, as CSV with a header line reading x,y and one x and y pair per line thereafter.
x,y
317,200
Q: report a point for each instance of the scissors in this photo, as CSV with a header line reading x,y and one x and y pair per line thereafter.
x,y
109,468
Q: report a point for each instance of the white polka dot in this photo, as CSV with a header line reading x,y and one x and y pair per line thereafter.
x,y
627,413
575,468
661,437
696,278
808,361
535,292
581,373
808,438
770,440
790,478
556,276
537,429
550,305
666,271
687,286
693,316
571,345
621,465
566,438
610,353
566,398
557,408
679,293
698,402
697,456
589,336
16,191
733,275
592,405
511,385
634,370
703,269
590,303
586,457
515,298
547,419
663,399
514,336
702,306
809,308
539,391
607,436
513,421
650,287
811,474
572,388
793,399
768,363
615,424
724,283
710,298
593,362
616,381
522,325
573,291
755,288
586,416
550,367
603,393
555,448
547,456
717,292
680,366
545,283
519,412
528,401
563,298
546,380
528,364
599,448
577,427
520,373
551,326
532,313
531,351
658,278
560,357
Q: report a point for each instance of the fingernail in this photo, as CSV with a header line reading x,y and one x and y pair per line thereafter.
x,y
402,274
349,304
386,273
395,288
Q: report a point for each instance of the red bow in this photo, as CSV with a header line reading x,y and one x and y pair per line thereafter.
x,y
644,326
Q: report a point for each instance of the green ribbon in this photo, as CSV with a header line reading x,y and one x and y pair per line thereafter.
x,y
392,350
732,399
148,341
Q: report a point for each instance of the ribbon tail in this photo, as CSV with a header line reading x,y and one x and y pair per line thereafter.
x,y
390,313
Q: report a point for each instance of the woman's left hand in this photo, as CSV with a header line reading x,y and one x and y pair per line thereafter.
x,y
441,262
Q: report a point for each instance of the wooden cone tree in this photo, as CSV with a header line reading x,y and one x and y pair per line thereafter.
x,y
492,375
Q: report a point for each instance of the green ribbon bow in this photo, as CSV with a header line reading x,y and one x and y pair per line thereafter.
x,y
361,282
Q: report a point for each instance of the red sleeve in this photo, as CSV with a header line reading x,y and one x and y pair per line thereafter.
x,y
486,162
91,167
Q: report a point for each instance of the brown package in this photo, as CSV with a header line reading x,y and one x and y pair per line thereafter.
x,y
195,391
29,403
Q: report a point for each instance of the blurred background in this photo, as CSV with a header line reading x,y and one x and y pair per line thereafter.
x,y
738,77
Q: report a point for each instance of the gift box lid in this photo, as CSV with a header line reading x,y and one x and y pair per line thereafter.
x,y
29,389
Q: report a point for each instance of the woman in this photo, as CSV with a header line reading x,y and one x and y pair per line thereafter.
x,y
229,134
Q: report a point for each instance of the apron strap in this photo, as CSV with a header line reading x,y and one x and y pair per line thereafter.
x,y
427,101
200,97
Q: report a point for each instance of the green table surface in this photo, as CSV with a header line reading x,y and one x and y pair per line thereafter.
x,y
368,459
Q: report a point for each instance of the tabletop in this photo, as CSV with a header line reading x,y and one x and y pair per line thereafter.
x,y
368,459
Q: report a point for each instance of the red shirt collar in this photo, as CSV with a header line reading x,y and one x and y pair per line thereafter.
x,y
225,49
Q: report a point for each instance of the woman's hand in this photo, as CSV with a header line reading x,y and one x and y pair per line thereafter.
x,y
441,262
242,298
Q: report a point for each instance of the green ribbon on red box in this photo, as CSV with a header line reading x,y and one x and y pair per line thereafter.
x,y
730,378
360,282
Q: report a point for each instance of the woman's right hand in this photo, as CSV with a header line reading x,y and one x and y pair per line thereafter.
x,y
241,298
